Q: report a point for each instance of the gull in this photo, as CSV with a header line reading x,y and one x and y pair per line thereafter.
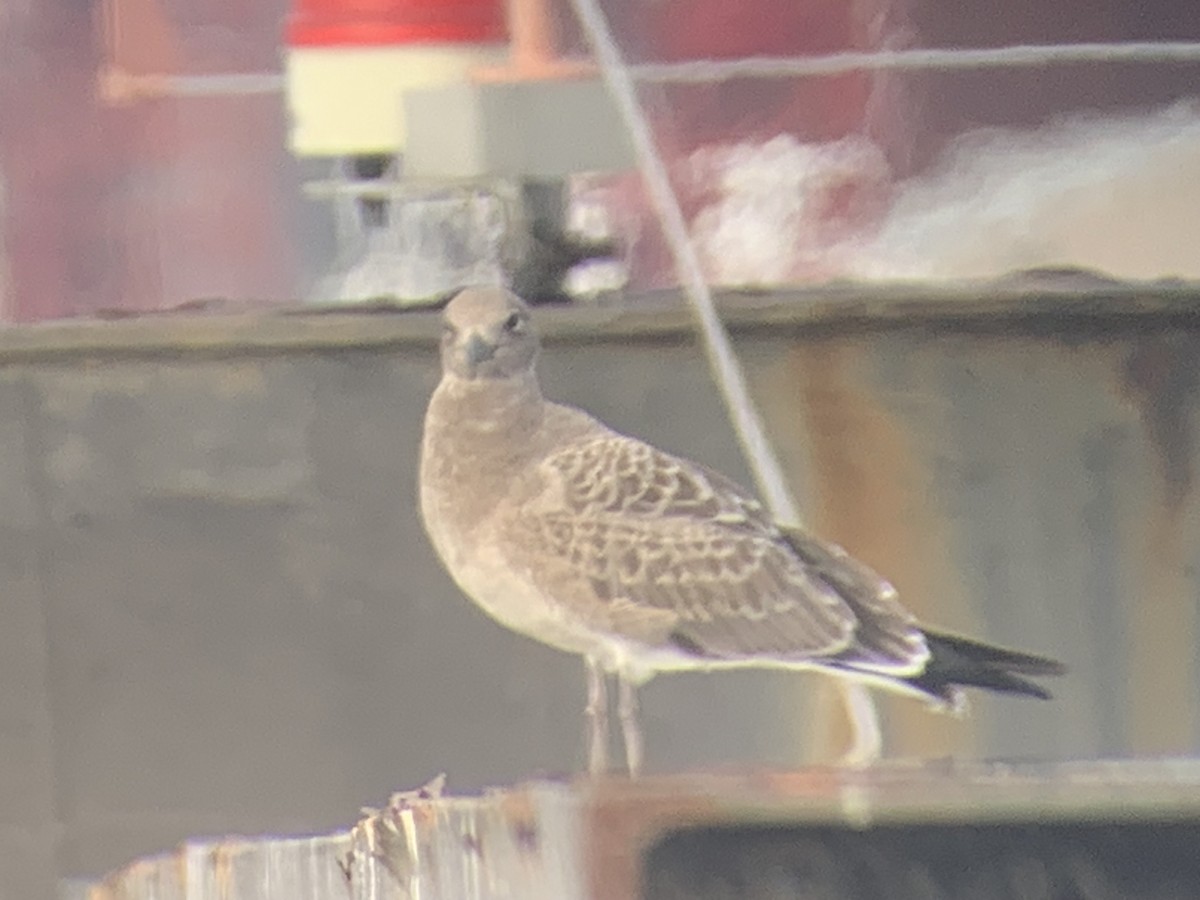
x,y
640,561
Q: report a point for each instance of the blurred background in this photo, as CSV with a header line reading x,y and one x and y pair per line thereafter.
x,y
965,301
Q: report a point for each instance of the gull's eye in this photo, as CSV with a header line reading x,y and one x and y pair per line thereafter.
x,y
514,322
447,332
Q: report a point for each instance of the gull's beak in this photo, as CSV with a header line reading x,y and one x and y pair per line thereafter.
x,y
479,350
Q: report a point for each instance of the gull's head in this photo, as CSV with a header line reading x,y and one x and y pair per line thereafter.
x,y
487,334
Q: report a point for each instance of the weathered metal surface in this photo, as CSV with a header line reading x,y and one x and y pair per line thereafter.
x,y
522,843
908,831
220,613
800,833
292,868
1069,306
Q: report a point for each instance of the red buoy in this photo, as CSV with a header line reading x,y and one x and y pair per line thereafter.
x,y
375,23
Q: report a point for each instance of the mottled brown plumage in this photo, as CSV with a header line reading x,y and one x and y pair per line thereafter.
x,y
602,545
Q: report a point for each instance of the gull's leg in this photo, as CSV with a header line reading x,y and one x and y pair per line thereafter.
x,y
597,716
866,740
631,732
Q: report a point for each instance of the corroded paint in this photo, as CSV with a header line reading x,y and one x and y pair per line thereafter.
x,y
1162,378
871,497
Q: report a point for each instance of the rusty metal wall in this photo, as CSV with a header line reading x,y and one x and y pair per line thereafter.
x,y
1036,488
220,613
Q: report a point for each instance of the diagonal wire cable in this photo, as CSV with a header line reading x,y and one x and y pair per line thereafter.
x,y
727,372
860,706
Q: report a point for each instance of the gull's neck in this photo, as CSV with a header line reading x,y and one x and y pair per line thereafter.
x,y
493,423
490,405
482,430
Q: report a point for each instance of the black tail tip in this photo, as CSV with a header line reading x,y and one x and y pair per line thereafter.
x,y
961,662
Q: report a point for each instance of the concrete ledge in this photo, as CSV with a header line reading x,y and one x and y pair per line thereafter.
x,y
221,329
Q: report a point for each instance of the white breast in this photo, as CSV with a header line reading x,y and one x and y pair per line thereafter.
x,y
508,594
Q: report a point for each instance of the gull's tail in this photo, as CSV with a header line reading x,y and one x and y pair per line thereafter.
x,y
886,634
956,662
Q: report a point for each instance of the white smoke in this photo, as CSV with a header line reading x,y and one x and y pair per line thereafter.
x,y
1118,195
1121,196
784,209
